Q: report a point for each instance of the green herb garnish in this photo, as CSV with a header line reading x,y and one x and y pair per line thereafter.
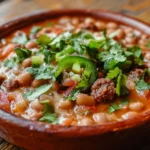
x,y
114,107
22,53
48,114
22,39
72,95
32,95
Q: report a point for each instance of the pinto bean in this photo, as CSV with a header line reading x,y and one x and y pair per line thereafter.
x,y
26,63
84,99
21,104
31,44
100,118
75,21
36,105
64,20
86,121
2,78
35,83
100,25
136,106
55,85
128,30
120,34
7,50
65,104
129,115
112,25
24,79
89,21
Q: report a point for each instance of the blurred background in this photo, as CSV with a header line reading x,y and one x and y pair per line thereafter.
x,y
13,8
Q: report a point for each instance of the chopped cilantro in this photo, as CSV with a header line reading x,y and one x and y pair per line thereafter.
x,y
113,73
22,53
135,54
65,39
114,107
113,57
21,39
32,95
120,79
10,63
43,40
141,85
43,72
72,95
48,114
35,29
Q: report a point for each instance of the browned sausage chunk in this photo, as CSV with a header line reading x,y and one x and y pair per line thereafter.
x,y
137,73
103,90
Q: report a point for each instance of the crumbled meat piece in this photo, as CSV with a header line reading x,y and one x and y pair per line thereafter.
x,y
10,84
103,90
134,75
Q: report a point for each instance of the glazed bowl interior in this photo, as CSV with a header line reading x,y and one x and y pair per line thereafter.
x,y
75,131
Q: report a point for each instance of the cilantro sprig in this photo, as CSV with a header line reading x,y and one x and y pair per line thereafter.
x,y
114,107
42,72
120,80
32,95
48,114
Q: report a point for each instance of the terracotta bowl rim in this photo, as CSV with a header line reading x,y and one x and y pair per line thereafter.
x,y
79,131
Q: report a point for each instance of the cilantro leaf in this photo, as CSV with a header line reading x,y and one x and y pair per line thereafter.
x,y
113,73
48,54
121,88
10,63
72,95
48,114
43,72
141,85
114,107
43,40
113,57
134,54
21,39
32,95
35,29
22,53
60,41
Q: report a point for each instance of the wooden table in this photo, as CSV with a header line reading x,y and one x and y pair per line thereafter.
x,y
12,8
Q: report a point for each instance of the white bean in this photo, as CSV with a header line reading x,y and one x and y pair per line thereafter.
x,y
100,118
136,106
86,121
129,115
84,99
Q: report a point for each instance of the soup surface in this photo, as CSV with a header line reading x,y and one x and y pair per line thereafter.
x,y
75,71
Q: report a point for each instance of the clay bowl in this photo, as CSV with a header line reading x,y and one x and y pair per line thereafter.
x,y
31,135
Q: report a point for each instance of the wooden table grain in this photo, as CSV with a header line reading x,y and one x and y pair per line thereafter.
x,y
13,8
